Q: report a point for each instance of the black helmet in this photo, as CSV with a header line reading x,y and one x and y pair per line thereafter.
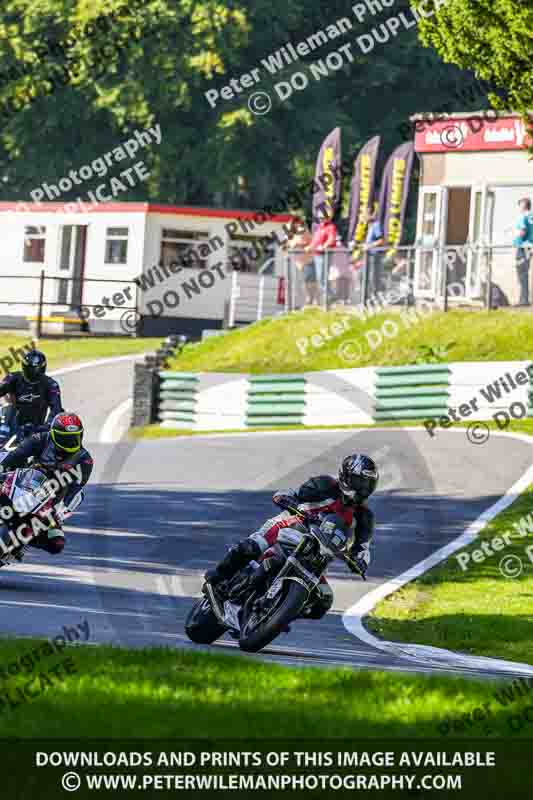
x,y
66,432
33,365
358,477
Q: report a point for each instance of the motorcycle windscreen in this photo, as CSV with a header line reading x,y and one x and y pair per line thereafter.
x,y
29,491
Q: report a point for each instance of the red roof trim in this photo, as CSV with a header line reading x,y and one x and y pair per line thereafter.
x,y
145,208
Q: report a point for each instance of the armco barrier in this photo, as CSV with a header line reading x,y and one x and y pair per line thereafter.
x,y
177,399
413,392
275,400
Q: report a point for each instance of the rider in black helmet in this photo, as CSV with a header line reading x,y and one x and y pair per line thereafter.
x,y
344,497
34,395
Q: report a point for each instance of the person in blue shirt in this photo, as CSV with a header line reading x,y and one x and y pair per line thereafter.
x,y
523,242
374,241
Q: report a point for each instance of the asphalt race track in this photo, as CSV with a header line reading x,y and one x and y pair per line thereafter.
x,y
158,513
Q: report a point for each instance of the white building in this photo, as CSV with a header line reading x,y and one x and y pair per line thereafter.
x,y
474,168
121,261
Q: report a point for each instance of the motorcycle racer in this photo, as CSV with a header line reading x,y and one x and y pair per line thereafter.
x,y
57,452
343,499
34,394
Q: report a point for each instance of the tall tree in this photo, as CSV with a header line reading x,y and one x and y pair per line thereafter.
x,y
78,76
494,38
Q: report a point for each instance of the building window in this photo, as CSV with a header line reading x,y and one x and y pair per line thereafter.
x,y
184,248
116,246
252,254
34,244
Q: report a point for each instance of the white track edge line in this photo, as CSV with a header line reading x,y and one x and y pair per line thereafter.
x,y
352,618
108,432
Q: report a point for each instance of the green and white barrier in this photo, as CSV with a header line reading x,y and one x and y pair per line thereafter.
x,y
275,400
222,401
177,400
412,392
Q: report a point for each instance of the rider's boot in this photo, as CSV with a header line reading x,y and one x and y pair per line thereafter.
x,y
235,559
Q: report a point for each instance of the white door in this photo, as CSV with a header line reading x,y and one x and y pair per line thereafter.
x,y
430,226
71,265
477,238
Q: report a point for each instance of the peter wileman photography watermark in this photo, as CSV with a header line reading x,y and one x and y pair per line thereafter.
x,y
508,697
34,661
352,350
260,102
16,354
31,529
99,167
479,432
511,565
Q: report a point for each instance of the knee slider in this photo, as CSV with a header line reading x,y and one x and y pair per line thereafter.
x,y
56,545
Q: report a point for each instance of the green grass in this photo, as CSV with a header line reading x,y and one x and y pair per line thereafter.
x,y
476,611
181,693
62,352
156,432
270,346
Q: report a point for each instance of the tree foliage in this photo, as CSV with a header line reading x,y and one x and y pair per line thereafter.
x,y
79,76
494,39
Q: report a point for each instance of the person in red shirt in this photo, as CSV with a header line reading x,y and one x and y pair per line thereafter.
x,y
324,239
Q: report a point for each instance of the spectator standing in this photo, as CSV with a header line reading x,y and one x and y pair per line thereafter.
x,y
374,240
340,273
523,241
300,259
324,240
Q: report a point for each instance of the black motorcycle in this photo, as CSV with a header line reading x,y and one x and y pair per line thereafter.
x,y
8,429
11,433
259,602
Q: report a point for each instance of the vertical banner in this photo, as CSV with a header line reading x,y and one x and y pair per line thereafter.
x,y
328,178
362,192
394,192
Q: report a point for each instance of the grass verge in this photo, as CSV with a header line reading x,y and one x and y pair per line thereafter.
x,y
156,432
478,609
285,344
181,693
64,352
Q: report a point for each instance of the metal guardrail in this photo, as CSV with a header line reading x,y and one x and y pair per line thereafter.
x,y
54,298
481,275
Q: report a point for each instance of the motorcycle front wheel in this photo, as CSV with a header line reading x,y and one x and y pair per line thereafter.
x,y
258,630
201,625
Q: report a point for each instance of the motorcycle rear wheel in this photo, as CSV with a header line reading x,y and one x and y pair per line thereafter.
x,y
254,637
201,625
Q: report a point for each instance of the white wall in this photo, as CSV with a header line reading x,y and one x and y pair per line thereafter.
x,y
209,302
468,378
492,166
23,291
144,245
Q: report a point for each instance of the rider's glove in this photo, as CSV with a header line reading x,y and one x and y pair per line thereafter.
x,y
361,557
61,512
285,500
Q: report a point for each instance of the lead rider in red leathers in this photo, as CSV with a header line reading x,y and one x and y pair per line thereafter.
x,y
344,497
